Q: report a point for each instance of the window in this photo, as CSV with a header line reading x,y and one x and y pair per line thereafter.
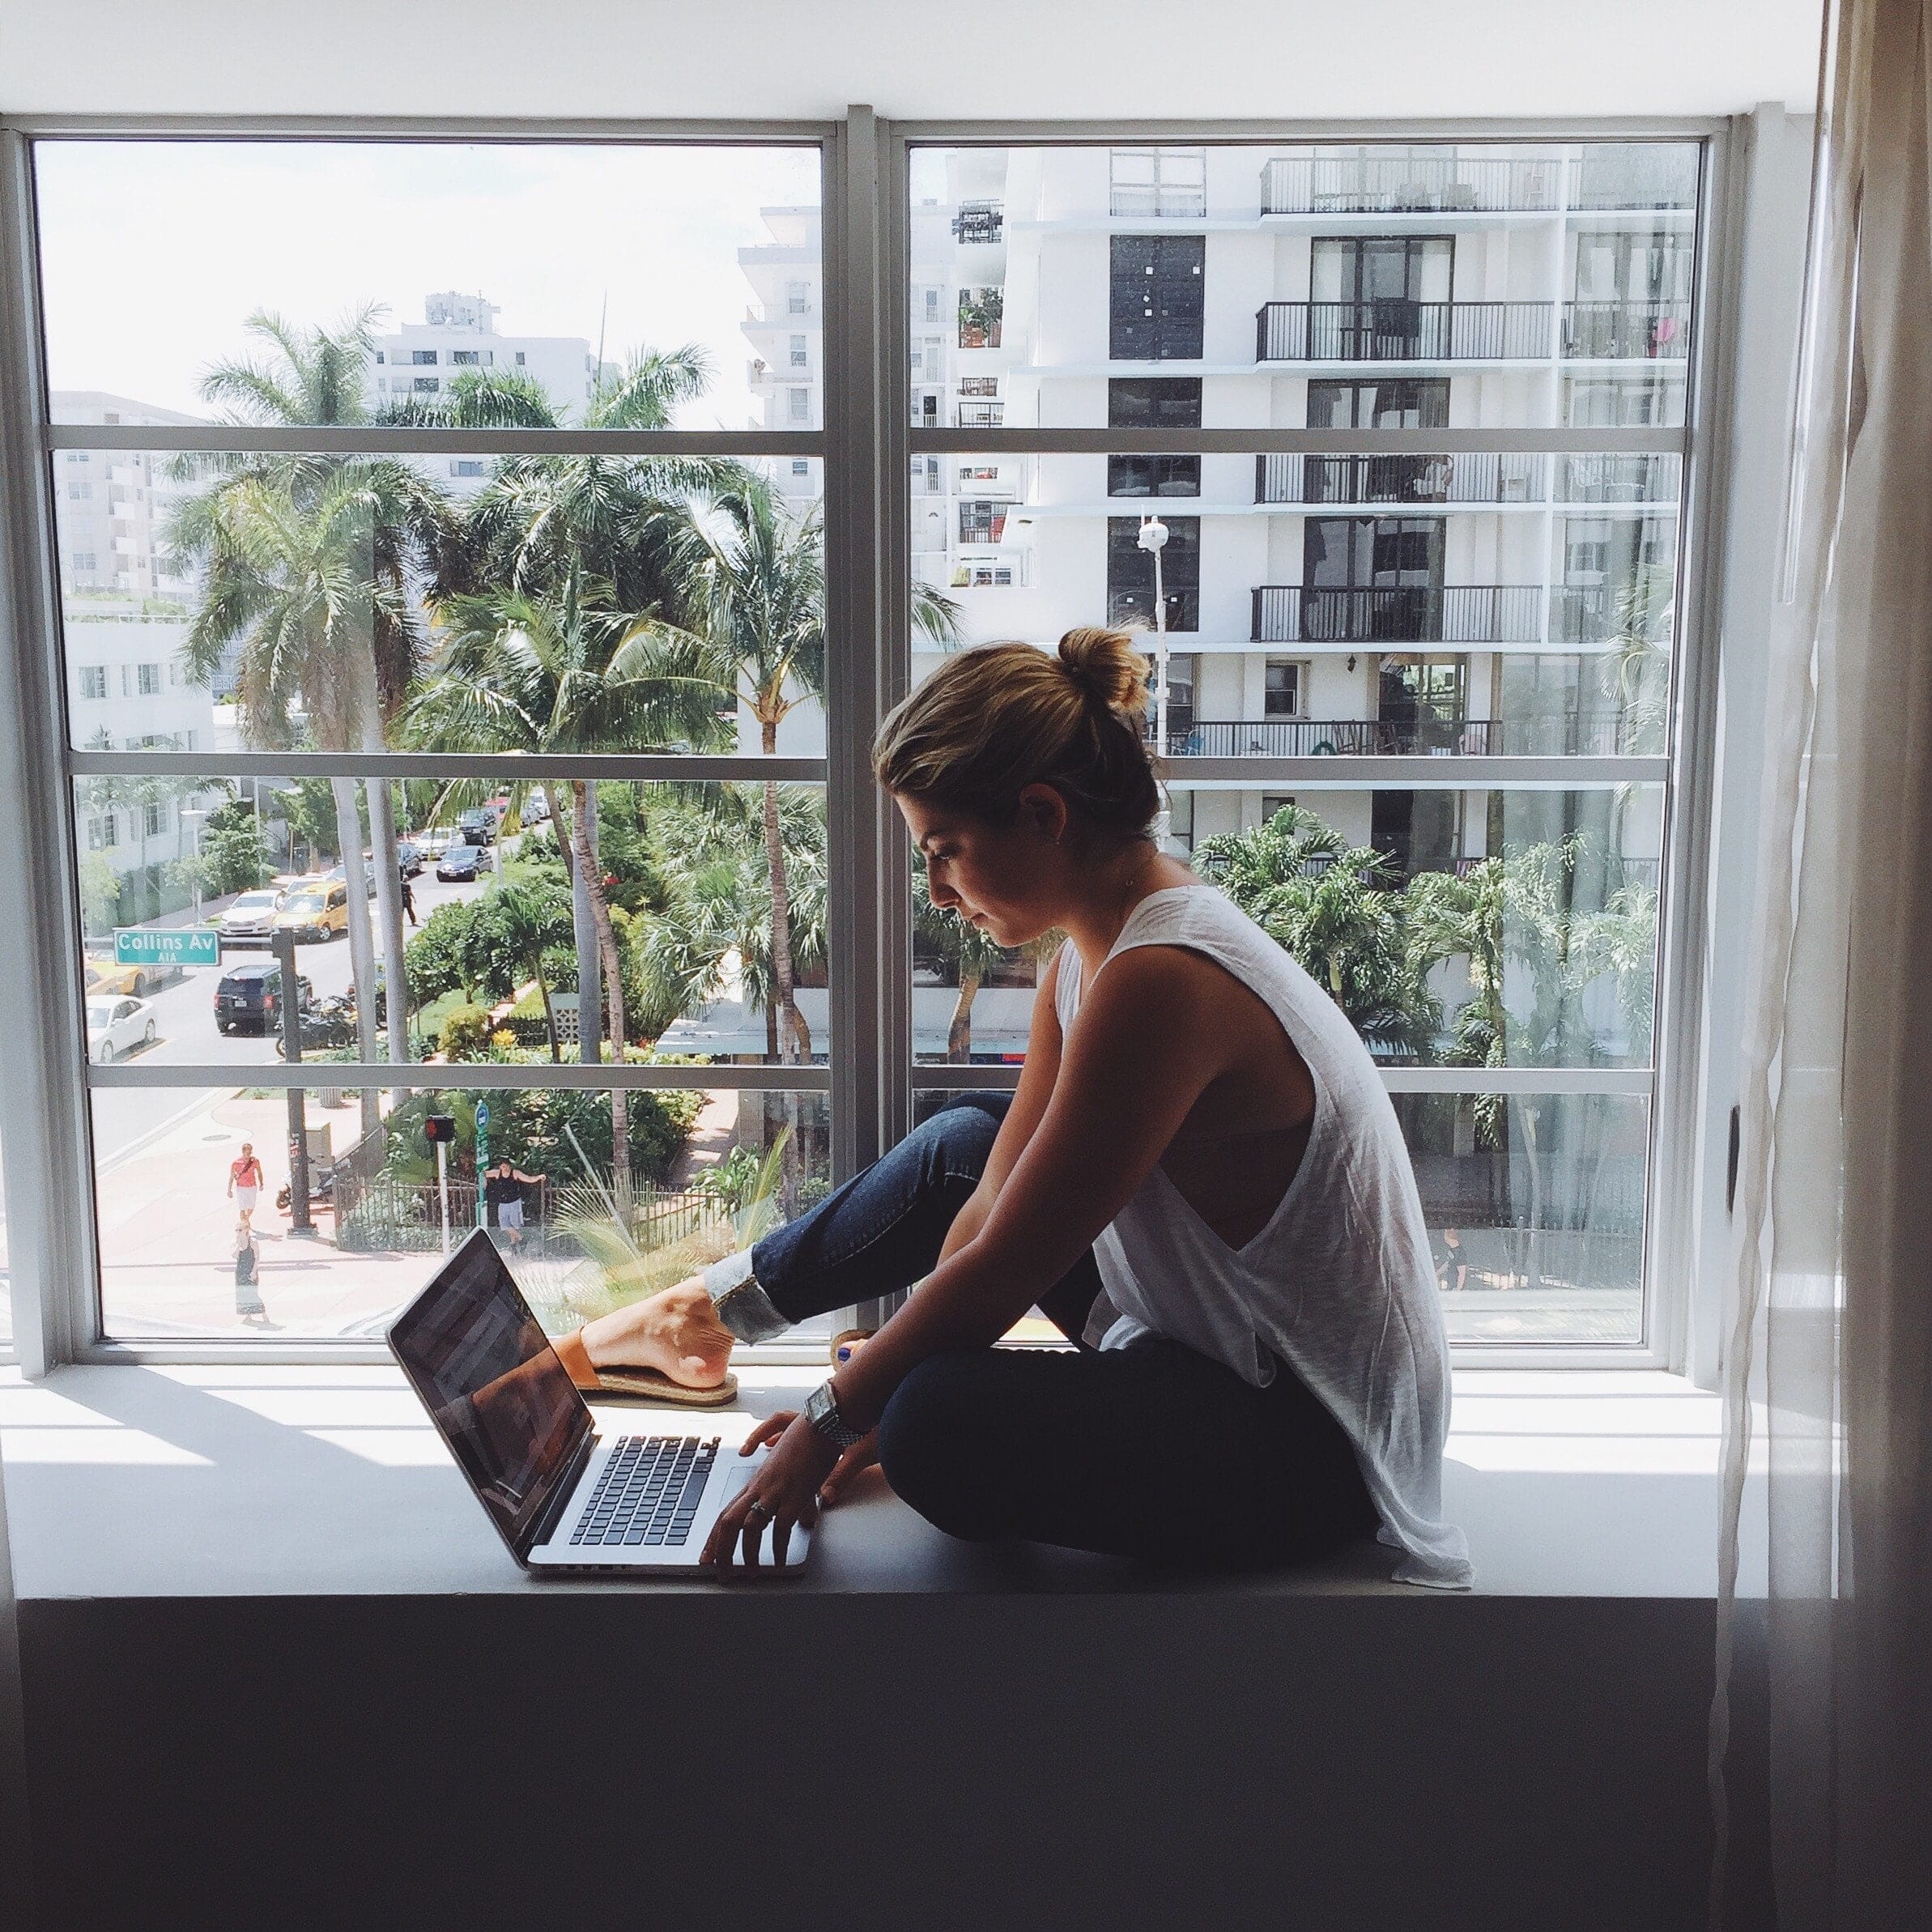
x,y
79,492
465,359
523,359
148,680
798,405
154,820
1275,802
84,563
93,680
1282,694
797,298
1157,300
423,359
801,465
797,352
1159,181
464,465
1154,402
428,385
1130,573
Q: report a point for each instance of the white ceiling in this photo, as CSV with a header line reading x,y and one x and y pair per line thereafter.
x,y
980,59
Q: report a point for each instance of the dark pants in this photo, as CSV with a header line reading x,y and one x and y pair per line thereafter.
x,y
1151,1451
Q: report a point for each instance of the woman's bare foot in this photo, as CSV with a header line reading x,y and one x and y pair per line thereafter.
x,y
677,1333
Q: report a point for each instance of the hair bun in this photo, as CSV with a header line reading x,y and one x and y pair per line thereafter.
x,y
1109,668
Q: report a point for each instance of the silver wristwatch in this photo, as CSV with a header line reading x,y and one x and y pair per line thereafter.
x,y
822,1412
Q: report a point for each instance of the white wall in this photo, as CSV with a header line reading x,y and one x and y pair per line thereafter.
x,y
1145,57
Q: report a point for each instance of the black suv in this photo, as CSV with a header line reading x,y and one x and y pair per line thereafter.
x,y
249,997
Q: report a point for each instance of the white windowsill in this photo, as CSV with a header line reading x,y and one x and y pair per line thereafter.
x,y
177,1481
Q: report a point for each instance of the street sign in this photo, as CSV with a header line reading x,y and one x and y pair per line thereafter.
x,y
482,1161
176,945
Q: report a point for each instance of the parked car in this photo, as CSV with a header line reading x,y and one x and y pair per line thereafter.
x,y
435,842
118,1025
317,912
536,807
459,863
408,857
340,873
249,919
248,997
478,826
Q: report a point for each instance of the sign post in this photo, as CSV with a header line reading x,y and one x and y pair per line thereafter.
x,y
441,1129
482,1161
300,1221
166,946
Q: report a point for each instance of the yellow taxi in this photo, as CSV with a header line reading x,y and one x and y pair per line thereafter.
x,y
316,908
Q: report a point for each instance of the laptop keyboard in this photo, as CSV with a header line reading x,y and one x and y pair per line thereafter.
x,y
649,1492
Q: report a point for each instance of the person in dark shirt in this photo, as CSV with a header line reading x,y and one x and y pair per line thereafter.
x,y
503,1190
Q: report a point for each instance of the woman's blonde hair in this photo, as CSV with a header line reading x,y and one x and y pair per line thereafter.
x,y
998,716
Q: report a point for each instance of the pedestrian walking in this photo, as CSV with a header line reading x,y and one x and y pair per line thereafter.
x,y
245,1182
409,899
503,1190
247,1292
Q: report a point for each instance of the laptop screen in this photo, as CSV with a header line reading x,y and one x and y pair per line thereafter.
x,y
493,1384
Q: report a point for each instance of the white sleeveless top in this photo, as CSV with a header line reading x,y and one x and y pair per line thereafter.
x,y
1339,1284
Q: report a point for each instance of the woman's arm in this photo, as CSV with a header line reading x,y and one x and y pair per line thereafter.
x,y
1122,1089
1037,1074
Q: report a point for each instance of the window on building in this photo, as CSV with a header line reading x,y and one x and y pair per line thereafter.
x,y
1130,573
801,465
798,405
79,492
1159,181
428,385
797,299
1281,695
1154,402
93,679
468,465
148,681
423,359
380,358
154,820
465,359
85,563
1157,297
110,829
797,352
522,360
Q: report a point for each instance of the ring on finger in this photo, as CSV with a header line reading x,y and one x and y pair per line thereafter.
x,y
758,1513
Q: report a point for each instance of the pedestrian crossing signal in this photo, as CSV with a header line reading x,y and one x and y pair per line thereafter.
x,y
439,1127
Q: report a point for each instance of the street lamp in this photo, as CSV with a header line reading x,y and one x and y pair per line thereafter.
x,y
1153,539
195,814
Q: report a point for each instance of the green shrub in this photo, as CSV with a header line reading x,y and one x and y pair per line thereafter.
x,y
465,1034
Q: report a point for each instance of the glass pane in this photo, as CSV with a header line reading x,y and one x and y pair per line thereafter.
x,y
616,286
1501,276
1490,926
1549,579
185,882
1535,1208
344,603
710,1169
6,1296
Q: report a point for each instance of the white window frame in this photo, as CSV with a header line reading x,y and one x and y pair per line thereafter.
x,y
867,443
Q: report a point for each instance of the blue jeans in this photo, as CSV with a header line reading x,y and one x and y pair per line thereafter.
x,y
1152,1451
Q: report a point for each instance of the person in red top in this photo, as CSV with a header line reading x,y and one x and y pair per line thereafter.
x,y
245,1182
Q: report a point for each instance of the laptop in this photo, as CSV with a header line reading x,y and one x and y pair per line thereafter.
x,y
568,1500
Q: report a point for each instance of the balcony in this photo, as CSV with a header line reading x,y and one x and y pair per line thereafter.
x,y
1401,331
1401,185
1577,734
1617,176
1399,479
980,415
1648,331
1468,613
1619,479
979,223
1601,614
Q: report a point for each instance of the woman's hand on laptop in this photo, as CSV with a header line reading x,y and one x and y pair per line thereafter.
x,y
783,1492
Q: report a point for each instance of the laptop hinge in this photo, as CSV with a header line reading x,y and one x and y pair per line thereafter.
x,y
560,1497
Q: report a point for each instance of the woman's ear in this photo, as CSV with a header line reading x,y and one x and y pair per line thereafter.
x,y
1043,808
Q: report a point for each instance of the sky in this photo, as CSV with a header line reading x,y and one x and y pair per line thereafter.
x,y
153,252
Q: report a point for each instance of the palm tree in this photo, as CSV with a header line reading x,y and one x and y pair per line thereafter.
x,y
1336,910
969,951
523,922
565,675
389,526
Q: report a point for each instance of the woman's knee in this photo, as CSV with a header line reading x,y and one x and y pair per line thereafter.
x,y
957,1140
926,1444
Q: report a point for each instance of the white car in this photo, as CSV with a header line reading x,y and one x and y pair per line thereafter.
x,y
251,917
435,843
536,807
117,1026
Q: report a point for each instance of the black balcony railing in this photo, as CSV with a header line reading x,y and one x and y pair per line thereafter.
x,y
1598,613
1575,734
1476,614
1488,478
979,222
1400,185
1659,331
982,416
1401,331
1623,176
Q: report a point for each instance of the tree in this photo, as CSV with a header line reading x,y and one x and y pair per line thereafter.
x,y
1337,910
513,927
281,539
563,675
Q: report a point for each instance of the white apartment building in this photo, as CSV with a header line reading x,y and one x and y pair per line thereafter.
x,y
420,361
1426,604
786,327
112,506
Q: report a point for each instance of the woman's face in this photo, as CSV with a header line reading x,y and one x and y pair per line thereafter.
x,y
1004,880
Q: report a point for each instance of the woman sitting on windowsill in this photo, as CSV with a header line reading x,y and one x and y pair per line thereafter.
x,y
1199,1179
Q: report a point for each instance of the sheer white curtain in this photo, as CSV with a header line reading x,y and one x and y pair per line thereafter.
x,y
1831,1355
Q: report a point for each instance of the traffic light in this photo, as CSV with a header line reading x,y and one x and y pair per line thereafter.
x,y
439,1127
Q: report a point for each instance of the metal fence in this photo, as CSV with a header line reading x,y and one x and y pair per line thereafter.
x,y
1485,477
1407,184
384,1211
1404,613
1571,734
1399,330
1651,331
